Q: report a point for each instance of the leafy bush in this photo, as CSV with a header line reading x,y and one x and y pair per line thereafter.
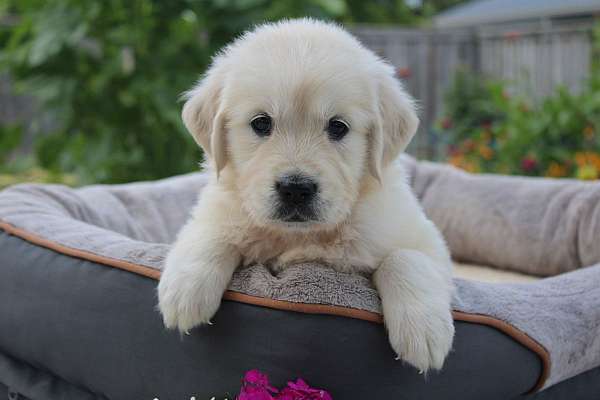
x,y
109,73
19,168
491,131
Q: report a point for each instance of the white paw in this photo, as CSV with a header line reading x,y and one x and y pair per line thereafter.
x,y
421,336
416,293
186,300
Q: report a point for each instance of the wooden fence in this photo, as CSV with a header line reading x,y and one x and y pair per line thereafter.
x,y
535,58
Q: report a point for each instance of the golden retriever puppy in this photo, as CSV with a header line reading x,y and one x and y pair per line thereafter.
x,y
301,125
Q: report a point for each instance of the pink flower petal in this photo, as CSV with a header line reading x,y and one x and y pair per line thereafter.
x,y
256,377
254,395
300,390
255,386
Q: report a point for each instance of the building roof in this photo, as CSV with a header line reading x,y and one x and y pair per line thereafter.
x,y
480,12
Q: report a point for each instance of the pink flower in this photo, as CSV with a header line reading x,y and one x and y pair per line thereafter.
x,y
299,390
446,123
255,386
512,35
404,72
528,164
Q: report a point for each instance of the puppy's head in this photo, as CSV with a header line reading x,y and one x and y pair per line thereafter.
x,y
297,116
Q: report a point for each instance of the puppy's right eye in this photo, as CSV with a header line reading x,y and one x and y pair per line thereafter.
x,y
337,129
261,124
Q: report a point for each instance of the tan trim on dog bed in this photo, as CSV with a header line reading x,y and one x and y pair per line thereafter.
x,y
502,326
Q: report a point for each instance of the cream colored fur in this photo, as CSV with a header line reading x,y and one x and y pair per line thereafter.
x,y
302,73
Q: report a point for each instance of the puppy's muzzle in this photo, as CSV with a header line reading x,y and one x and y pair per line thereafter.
x,y
296,198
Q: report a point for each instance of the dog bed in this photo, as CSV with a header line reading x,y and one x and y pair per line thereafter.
x,y
78,270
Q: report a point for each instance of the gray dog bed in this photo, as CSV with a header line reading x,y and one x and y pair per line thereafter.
x,y
56,315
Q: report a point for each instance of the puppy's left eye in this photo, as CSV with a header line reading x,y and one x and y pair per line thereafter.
x,y
337,129
261,124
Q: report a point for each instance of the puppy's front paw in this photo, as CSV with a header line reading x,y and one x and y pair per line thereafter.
x,y
421,335
186,300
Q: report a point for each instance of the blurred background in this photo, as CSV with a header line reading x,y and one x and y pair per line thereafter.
x,y
89,90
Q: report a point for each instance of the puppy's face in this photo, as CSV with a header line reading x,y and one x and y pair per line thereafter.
x,y
298,144
297,122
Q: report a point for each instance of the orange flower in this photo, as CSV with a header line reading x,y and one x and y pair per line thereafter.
x,y
485,151
588,165
471,167
468,144
456,160
556,170
595,160
585,158
588,172
588,132
461,162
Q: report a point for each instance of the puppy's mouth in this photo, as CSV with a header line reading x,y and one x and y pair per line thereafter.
x,y
296,214
298,217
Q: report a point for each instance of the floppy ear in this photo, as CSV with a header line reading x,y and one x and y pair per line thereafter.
x,y
395,124
204,118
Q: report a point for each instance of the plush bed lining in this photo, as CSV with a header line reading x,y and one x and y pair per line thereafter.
x,y
232,295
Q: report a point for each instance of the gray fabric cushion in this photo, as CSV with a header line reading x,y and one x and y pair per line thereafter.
x,y
73,329
533,225
136,222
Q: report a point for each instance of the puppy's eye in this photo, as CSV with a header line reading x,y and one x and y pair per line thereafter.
x,y
337,129
261,124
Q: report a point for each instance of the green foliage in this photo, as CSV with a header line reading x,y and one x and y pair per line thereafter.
x,y
10,138
109,73
21,169
491,131
383,11
472,102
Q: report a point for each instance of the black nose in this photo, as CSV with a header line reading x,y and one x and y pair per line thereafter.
x,y
296,189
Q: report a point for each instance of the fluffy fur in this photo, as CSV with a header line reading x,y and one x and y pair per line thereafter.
x,y
303,73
